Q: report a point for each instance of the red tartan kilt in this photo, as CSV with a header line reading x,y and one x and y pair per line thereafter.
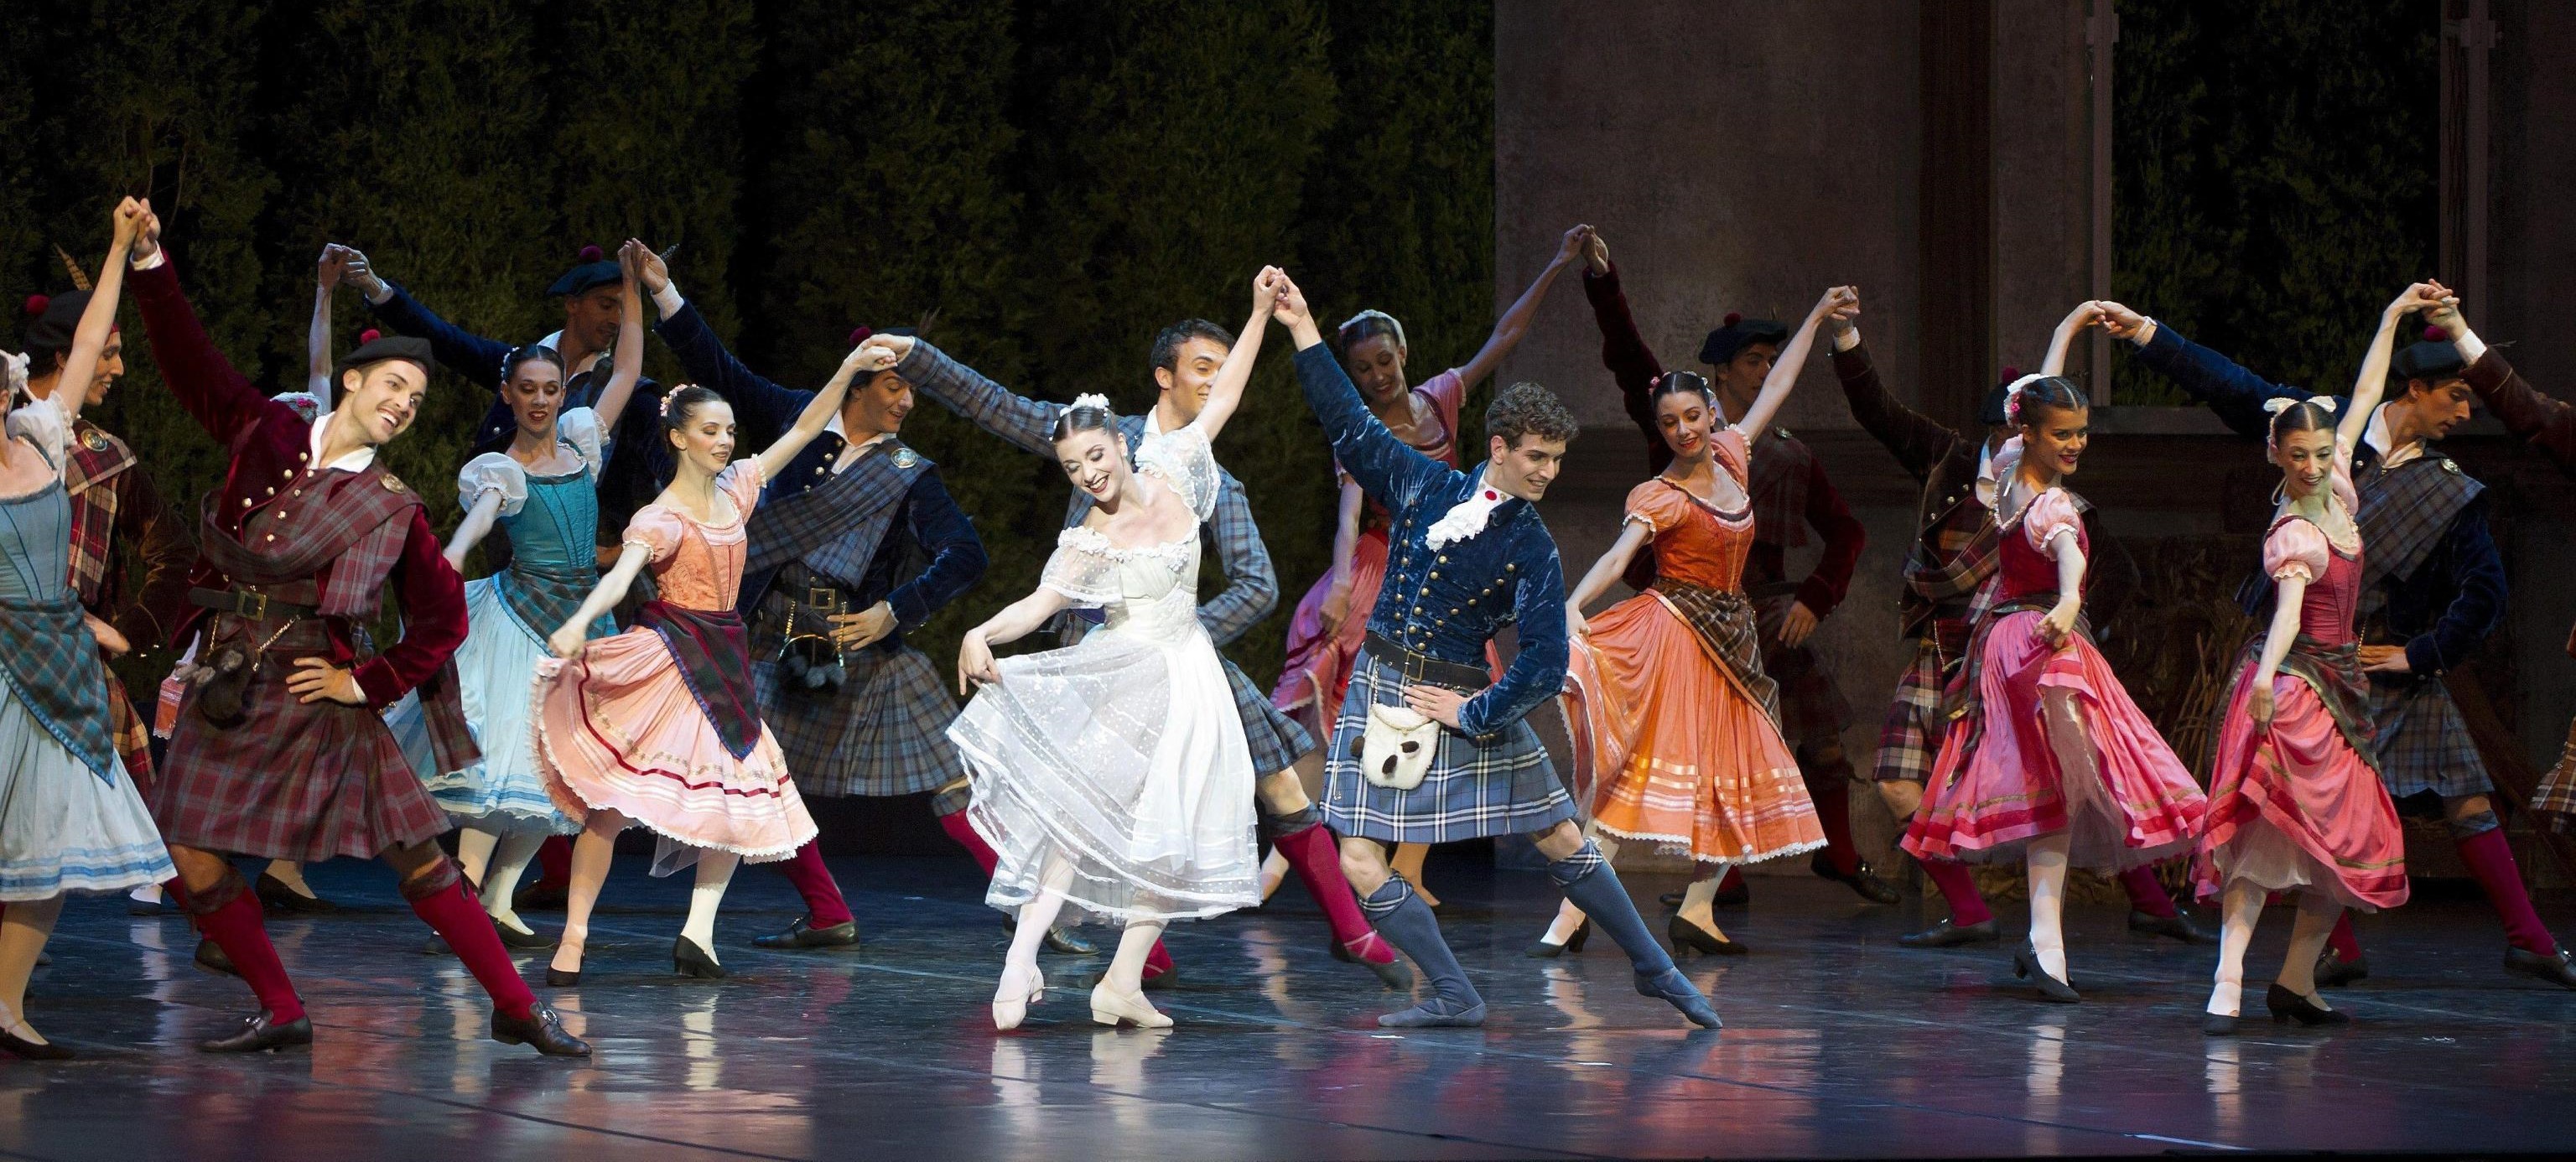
x,y
132,740
294,781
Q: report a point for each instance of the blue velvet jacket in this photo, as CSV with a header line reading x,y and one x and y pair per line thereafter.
x,y
2453,601
930,523
1448,603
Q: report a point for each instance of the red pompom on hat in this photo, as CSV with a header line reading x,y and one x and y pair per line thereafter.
x,y
2011,374
592,254
860,335
369,335
36,305
1732,318
2434,334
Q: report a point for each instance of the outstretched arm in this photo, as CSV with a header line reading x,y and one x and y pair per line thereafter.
x,y
1017,620
765,407
2084,315
457,349
1840,302
1916,440
961,389
327,273
627,364
2372,381
213,393
567,638
1225,392
818,411
1385,467
1515,322
89,338
2233,393
1632,365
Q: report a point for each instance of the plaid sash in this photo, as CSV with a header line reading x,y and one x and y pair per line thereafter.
x,y
833,527
2405,513
52,665
714,655
1961,703
96,458
546,596
1725,623
2334,672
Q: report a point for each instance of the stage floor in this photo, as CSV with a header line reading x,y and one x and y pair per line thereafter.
x,y
1837,1043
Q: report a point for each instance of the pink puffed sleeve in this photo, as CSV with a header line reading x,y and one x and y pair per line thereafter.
x,y
741,480
2053,512
1734,452
657,529
2295,548
1657,505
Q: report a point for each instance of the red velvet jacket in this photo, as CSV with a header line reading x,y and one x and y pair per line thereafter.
x,y
271,444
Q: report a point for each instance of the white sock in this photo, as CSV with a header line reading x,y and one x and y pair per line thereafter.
x,y
501,876
2240,910
2048,902
474,853
715,871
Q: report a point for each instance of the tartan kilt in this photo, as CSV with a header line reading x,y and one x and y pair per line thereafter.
x,y
131,736
2422,742
2555,798
295,780
1504,785
1812,708
1276,741
885,732
1909,738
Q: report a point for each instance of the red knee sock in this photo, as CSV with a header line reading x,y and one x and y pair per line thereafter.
x,y
238,929
459,917
2491,861
2347,947
2146,893
1734,880
1157,962
554,863
1960,889
959,829
1833,813
824,906
1317,860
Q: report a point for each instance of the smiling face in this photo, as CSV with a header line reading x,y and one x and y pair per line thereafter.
x,y
1095,460
1687,419
383,398
1526,468
704,439
1194,366
878,406
1376,364
535,395
2054,437
2305,459
111,364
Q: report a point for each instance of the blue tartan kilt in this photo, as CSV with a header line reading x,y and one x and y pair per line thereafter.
x,y
1500,785
885,733
2423,743
1276,741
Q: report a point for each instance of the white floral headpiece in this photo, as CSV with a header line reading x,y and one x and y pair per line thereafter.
x,y
1093,400
2281,403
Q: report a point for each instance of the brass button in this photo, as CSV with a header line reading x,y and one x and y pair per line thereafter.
x,y
272,492
246,502
1435,574
289,474
272,536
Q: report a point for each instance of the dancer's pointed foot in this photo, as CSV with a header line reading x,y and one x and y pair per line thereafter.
x,y
1111,1007
2176,926
803,934
1019,988
1948,935
1672,986
2027,966
21,1040
2556,967
1373,952
263,1034
564,971
517,935
690,960
542,1028
1438,1013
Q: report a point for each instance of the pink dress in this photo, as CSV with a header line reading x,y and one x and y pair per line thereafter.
x,y
638,721
2299,807
2050,742
1319,664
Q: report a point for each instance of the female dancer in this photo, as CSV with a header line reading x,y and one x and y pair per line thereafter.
x,y
70,817
543,494
1113,773
2295,799
657,725
1323,637
2047,760
1675,726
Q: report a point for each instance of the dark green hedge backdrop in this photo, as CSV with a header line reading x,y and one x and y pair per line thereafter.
x,y
1051,181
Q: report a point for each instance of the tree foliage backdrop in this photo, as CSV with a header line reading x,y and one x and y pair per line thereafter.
x,y
1047,181
2291,138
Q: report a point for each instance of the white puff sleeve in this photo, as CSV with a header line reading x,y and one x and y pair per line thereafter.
x,y
1184,460
1084,568
41,422
580,428
493,472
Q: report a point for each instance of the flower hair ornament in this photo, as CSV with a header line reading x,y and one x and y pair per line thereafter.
x,y
13,373
1093,400
2281,403
2012,398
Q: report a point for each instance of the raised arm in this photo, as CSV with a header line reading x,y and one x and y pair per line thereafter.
x,y
1916,440
961,389
1515,322
627,364
1384,466
567,638
473,356
2549,424
2084,315
2234,394
1631,363
1840,301
766,407
89,337
1225,392
327,273
219,398
2372,381
818,411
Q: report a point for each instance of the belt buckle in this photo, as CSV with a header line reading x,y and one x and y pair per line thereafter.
x,y
823,597
251,604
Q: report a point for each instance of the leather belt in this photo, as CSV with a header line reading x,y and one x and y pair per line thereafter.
x,y
1416,667
249,604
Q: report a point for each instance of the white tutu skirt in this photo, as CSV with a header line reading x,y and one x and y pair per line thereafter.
x,y
503,793
1118,764
62,828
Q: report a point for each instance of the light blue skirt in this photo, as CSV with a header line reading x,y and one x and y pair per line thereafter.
x,y
63,828
495,668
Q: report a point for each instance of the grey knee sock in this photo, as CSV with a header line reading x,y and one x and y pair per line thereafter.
x,y
1589,881
1406,922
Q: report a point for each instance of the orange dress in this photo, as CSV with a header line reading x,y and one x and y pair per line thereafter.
x,y
1674,731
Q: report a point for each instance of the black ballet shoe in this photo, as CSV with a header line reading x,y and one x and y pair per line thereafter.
x,y
33,1050
1862,880
538,897
1685,934
560,979
2288,1006
285,901
1542,950
542,1028
2333,972
1948,935
1394,974
263,1034
688,959
2051,989
530,940
2556,967
210,959
803,934
2176,926
2217,1025
1675,989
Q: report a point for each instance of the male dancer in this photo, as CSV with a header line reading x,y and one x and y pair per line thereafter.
x,y
1790,493
1186,356
1953,556
828,595
280,752
1466,555
2433,588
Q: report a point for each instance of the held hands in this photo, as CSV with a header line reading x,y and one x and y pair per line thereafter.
x,y
357,273
882,352
1799,622
108,637
1596,252
2447,315
1266,288
1577,239
2427,297
648,268
867,627
126,222
975,666
1437,703
2118,321
1841,304
2058,626
566,641
1291,310
2385,660
1845,320
332,268
317,680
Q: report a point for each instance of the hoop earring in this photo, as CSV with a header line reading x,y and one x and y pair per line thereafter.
x,y
2281,492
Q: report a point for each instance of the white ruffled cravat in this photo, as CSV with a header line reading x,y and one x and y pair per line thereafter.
x,y
1466,519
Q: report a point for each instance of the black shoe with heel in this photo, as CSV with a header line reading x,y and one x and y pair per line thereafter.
x,y
2026,966
1685,934
689,960
286,901
803,934
2287,1006
28,1050
1948,935
1542,950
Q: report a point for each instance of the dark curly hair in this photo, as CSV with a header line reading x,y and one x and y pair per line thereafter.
x,y
1166,354
1526,409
